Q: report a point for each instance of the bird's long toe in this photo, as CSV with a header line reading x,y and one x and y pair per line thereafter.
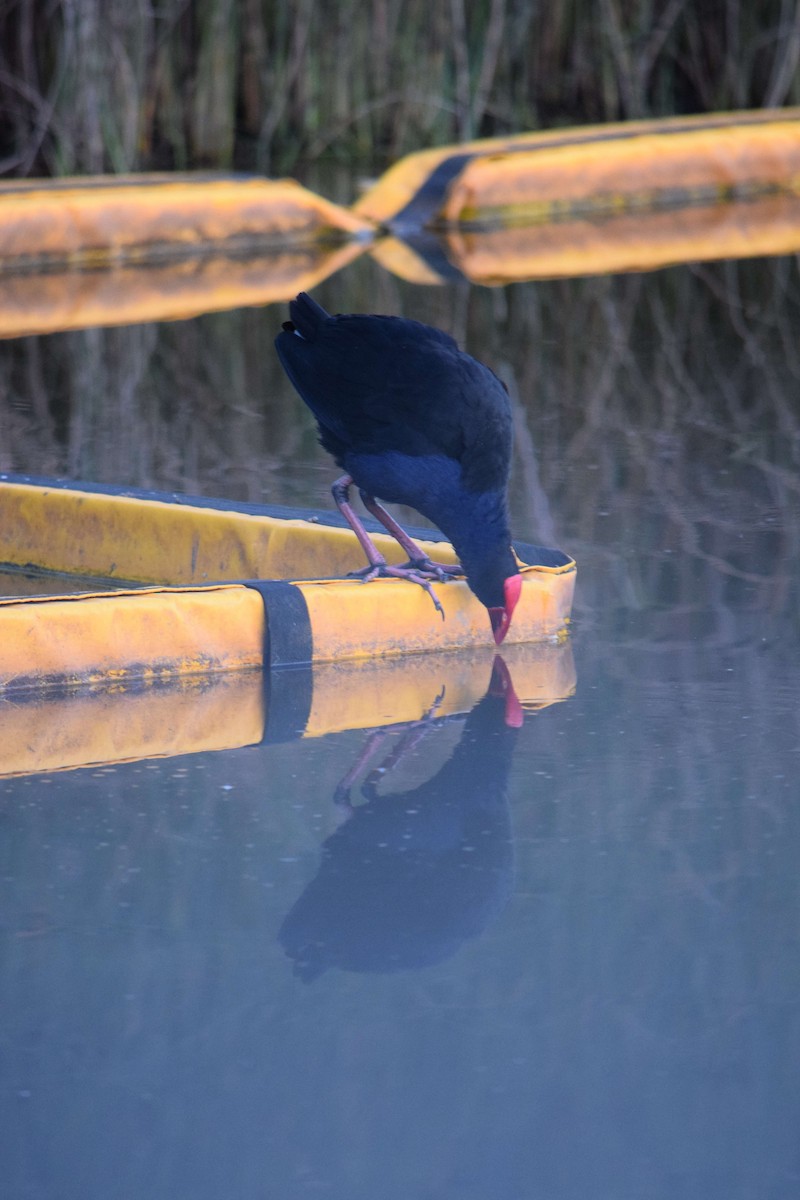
x,y
415,576
368,573
440,572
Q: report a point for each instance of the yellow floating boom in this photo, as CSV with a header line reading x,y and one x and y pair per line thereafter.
x,y
237,590
630,196
102,220
635,165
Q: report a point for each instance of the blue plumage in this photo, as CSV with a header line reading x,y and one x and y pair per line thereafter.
x,y
413,420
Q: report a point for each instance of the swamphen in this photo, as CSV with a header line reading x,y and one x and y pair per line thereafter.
x,y
411,418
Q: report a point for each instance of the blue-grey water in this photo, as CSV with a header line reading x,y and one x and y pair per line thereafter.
x,y
463,960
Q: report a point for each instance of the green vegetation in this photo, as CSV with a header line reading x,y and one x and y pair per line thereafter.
x,y
90,86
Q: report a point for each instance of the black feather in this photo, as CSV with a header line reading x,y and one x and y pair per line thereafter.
x,y
413,419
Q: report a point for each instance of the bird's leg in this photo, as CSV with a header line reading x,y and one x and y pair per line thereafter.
x,y
341,495
377,563
417,558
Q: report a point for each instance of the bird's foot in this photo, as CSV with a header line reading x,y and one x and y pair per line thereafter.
x,y
383,570
441,572
434,571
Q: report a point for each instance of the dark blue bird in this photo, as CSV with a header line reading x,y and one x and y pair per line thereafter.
x,y
414,420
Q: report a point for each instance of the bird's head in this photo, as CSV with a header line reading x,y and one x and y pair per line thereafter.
x,y
495,579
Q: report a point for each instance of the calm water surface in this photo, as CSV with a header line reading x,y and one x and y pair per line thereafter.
x,y
466,960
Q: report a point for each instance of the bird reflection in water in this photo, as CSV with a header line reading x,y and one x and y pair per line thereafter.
x,y
408,878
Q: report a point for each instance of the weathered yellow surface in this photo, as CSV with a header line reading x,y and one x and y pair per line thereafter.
x,y
644,172
105,219
118,636
540,175
159,632
150,541
211,243
155,634
387,617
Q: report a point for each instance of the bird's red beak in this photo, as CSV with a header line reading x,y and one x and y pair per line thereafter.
x,y
501,617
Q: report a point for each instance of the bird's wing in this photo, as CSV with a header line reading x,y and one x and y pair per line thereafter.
x,y
380,384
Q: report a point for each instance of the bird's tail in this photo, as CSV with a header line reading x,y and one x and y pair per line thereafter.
x,y
306,317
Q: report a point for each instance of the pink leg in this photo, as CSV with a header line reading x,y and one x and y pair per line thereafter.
x,y
417,557
377,563
341,495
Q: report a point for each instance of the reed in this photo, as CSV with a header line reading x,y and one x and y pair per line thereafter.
x,y
121,85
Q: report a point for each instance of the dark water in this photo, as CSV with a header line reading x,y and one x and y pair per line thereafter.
x,y
560,960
